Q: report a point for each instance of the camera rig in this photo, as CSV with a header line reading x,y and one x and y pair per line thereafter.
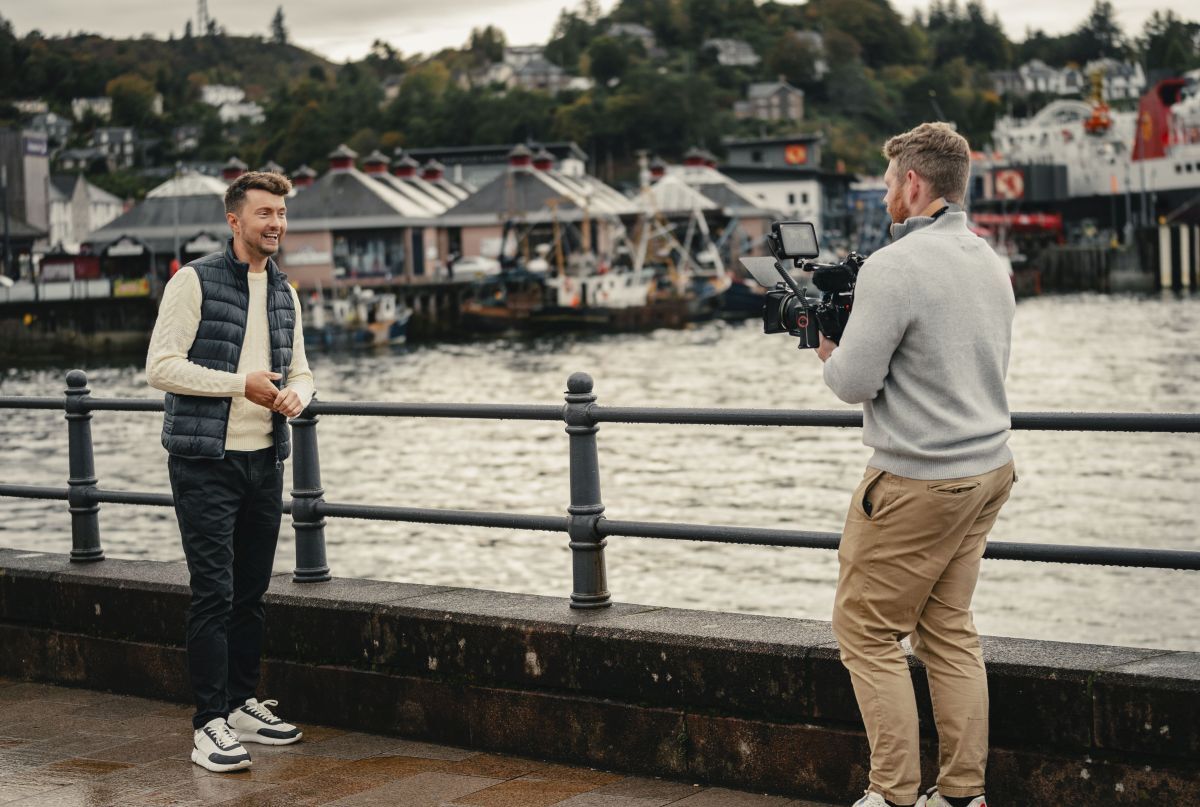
x,y
790,307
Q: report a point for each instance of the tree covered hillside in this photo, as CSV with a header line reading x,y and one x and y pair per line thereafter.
x,y
866,71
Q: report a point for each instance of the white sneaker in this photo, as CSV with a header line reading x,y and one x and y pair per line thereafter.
x,y
934,799
216,747
871,799
254,723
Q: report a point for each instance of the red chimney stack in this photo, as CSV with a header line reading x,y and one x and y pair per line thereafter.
x,y
304,177
233,169
543,160
405,167
375,163
519,157
342,158
694,158
658,169
433,171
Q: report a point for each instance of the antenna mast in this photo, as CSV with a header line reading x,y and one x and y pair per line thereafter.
x,y
202,16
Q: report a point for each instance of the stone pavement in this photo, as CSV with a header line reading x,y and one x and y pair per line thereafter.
x,y
63,747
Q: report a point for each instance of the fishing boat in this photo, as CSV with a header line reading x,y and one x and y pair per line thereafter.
x,y
363,318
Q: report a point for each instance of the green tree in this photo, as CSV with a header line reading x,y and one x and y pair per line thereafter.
x,y
793,59
133,99
487,44
278,31
1098,36
608,59
874,24
572,33
968,33
1170,44
8,58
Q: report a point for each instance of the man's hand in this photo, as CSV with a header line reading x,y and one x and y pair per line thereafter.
x,y
826,348
287,402
260,390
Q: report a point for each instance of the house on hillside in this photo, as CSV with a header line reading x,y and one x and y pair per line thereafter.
x,y
540,74
217,95
517,56
56,128
77,208
632,30
732,52
244,111
118,144
100,107
1122,80
771,101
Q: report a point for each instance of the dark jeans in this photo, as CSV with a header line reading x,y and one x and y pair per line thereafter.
x,y
229,513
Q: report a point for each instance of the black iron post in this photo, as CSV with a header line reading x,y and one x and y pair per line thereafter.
x,y
85,518
586,509
307,493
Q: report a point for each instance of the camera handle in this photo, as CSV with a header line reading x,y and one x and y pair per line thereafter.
x,y
772,243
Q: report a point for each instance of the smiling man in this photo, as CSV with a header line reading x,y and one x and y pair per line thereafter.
x,y
228,349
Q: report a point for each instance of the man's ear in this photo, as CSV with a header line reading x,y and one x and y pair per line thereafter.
x,y
233,221
914,185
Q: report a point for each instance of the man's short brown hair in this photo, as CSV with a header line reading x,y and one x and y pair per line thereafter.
x,y
940,155
269,181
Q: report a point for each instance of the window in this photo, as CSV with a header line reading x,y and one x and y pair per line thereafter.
x,y
791,198
369,253
804,198
756,155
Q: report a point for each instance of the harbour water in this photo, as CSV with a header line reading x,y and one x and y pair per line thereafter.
x,y
1073,353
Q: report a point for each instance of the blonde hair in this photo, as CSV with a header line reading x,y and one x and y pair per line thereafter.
x,y
940,155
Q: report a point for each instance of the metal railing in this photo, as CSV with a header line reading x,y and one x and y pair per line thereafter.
x,y
585,522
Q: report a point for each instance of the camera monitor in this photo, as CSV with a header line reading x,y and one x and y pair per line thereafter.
x,y
798,239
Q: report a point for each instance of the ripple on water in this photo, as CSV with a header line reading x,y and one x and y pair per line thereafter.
x,y
1085,488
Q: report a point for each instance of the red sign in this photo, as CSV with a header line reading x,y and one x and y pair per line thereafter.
x,y
1021,222
1009,184
795,154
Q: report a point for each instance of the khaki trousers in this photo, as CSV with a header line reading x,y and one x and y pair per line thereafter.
x,y
909,559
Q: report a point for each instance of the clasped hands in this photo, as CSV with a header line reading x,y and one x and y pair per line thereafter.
x,y
261,390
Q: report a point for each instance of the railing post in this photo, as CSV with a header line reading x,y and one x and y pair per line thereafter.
x,y
307,493
586,509
85,513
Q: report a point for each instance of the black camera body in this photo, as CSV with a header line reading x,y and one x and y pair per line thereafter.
x,y
794,309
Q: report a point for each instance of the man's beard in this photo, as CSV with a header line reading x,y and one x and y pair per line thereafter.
x,y
899,211
263,248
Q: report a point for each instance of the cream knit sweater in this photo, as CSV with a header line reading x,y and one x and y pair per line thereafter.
x,y
168,368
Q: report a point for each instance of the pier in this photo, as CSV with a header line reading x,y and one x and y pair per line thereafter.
x,y
736,701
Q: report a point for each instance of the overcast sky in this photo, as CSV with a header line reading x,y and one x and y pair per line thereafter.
x,y
345,28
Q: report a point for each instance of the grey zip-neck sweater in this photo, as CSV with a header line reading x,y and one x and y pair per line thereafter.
x,y
926,352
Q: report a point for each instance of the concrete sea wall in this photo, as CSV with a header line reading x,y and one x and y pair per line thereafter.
x,y
753,702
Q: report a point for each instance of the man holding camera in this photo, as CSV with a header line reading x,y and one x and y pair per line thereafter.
x,y
926,354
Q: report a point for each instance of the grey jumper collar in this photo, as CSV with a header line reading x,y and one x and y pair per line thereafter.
x,y
913,223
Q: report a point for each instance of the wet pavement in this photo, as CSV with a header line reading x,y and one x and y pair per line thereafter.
x,y
62,747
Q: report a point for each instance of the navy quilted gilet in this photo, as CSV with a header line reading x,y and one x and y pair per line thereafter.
x,y
194,426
